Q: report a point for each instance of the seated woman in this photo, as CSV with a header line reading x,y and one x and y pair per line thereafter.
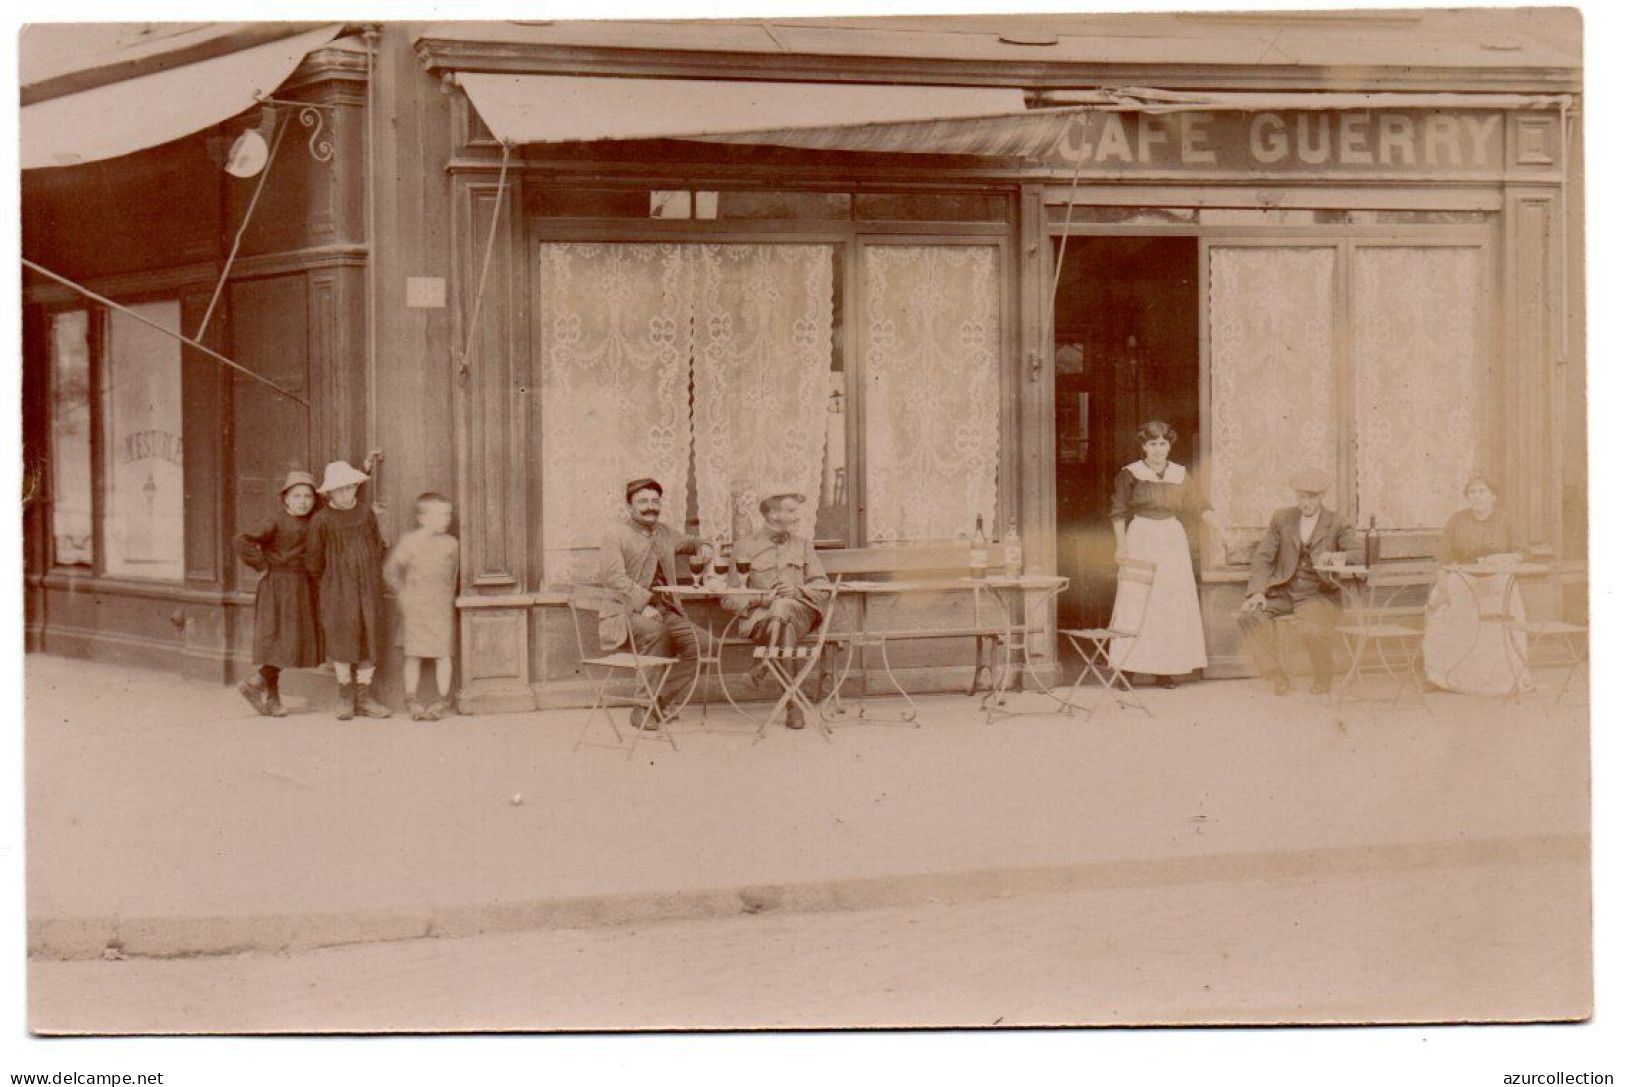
x,y
1464,648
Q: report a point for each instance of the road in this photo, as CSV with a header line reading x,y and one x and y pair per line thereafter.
x,y
1492,941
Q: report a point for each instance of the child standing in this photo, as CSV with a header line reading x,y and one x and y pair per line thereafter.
x,y
422,569
345,554
285,631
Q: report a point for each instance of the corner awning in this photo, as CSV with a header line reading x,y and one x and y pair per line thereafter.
x,y
521,109
128,115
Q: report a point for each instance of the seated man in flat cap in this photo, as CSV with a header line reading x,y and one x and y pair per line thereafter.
x,y
637,555
775,557
1284,581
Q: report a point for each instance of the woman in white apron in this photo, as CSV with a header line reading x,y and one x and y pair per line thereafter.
x,y
1465,645
1150,497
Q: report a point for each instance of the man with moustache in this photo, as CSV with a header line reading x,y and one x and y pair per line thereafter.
x,y
637,555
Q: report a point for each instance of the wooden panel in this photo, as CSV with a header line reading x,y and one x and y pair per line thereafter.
x,y
494,646
1532,467
270,433
492,388
205,409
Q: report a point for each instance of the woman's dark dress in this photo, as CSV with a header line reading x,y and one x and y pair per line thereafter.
x,y
285,631
345,554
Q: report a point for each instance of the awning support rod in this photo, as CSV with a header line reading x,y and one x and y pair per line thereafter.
x,y
193,344
1066,232
485,265
236,243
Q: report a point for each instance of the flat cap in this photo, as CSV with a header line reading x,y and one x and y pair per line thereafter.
x,y
1312,480
644,484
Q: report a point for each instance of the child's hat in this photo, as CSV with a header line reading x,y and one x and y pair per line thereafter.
x,y
297,479
340,474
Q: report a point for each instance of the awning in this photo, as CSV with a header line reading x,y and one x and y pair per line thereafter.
x,y
133,114
521,109
893,119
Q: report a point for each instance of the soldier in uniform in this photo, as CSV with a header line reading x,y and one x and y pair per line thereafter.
x,y
778,558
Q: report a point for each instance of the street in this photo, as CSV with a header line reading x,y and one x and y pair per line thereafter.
x,y
1490,941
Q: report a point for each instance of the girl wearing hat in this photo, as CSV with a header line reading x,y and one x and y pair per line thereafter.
x,y
345,554
285,631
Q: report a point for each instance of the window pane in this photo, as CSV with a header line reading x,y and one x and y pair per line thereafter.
x,y
1417,358
931,348
70,439
616,342
143,524
762,362
967,207
1274,404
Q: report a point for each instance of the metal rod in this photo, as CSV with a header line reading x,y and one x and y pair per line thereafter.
x,y
213,354
1060,257
236,243
485,265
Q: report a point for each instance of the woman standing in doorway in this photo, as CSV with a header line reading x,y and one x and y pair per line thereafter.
x,y
1148,500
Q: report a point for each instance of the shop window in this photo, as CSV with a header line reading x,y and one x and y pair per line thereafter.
x,y
143,514
931,347
71,488
822,206
1274,399
656,357
1135,216
1417,355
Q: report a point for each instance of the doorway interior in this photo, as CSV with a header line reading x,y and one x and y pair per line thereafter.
x,y
1127,350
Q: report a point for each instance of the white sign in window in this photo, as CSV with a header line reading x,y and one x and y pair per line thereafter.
x,y
144,511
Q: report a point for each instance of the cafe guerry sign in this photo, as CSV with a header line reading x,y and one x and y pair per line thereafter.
x,y
1377,141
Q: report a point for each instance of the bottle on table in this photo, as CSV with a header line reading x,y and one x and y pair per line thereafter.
x,y
978,551
1013,560
1371,542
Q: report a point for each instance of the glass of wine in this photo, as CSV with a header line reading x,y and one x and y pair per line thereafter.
x,y
696,567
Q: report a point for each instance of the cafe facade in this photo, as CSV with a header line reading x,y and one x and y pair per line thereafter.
x,y
927,270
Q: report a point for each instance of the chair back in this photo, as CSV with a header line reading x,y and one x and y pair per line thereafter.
x,y
594,600
829,615
1382,586
1134,580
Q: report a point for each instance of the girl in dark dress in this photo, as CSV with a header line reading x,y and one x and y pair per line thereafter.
x,y
285,631
345,554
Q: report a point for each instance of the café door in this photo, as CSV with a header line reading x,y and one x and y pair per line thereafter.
x,y
1127,350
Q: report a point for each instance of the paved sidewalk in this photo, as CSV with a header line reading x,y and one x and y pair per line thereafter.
x,y
165,819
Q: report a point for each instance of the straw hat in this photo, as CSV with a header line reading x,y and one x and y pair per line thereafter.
x,y
297,479
340,474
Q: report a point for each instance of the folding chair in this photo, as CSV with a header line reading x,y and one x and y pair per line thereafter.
x,y
1398,648
647,673
1093,644
790,665
1572,639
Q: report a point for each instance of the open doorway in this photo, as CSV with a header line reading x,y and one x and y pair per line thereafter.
x,y
1127,328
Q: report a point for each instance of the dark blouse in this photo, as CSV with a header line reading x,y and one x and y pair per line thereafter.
x,y
1467,539
1156,499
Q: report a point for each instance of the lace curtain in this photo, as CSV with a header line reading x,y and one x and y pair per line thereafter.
x,y
931,340
616,340
1417,350
1274,400
763,320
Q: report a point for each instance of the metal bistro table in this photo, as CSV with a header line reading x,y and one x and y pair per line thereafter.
x,y
711,652
1010,597
1007,625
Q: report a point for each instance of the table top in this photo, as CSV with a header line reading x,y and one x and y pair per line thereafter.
x,y
706,592
954,584
1480,569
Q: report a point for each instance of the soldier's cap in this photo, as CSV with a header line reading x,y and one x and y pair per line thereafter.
x,y
779,489
644,484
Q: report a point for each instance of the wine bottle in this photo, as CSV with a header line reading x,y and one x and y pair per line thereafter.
x,y
1012,552
978,551
1370,542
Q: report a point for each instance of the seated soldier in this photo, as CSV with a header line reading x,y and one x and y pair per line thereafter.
x,y
775,557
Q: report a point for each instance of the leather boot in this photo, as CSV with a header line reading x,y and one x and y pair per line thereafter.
x,y
346,701
273,698
253,691
364,704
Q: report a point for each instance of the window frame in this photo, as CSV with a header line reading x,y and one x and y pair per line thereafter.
x,y
848,238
